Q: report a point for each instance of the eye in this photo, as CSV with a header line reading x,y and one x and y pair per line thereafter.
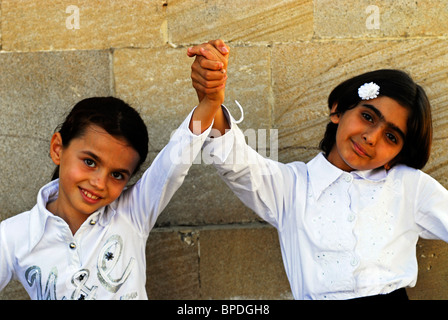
x,y
392,137
117,175
367,116
90,163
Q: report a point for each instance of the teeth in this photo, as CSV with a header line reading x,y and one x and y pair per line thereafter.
x,y
89,195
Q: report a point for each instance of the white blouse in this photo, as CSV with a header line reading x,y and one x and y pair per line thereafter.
x,y
342,234
105,258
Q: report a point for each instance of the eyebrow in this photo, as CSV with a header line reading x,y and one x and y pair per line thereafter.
x,y
98,159
381,116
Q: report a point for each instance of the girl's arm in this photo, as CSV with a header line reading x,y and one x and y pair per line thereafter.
x,y
209,75
431,203
151,194
6,270
266,186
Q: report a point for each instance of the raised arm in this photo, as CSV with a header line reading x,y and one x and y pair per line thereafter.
x,y
209,75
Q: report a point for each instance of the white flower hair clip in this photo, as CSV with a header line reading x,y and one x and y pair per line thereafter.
x,y
369,91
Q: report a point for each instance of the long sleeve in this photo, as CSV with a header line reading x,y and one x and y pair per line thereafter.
x,y
264,185
151,194
431,208
6,269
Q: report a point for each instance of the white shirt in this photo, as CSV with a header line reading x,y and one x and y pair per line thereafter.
x,y
342,235
105,259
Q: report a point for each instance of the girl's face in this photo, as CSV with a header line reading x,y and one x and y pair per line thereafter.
x,y
370,135
94,169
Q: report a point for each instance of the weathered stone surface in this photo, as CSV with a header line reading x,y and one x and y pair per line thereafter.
x,y
432,280
196,21
173,265
157,83
50,25
242,263
36,92
379,19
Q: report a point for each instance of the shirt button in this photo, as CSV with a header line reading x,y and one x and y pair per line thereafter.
x,y
92,222
354,261
72,245
348,178
351,217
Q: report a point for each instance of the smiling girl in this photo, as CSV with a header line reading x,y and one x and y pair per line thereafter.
x,y
348,220
86,237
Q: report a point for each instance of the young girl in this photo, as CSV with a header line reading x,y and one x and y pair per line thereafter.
x,y
348,220
86,237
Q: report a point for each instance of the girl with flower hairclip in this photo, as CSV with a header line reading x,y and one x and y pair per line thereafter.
x,y
348,220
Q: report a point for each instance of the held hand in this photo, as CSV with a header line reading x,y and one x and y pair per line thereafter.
x,y
209,75
209,70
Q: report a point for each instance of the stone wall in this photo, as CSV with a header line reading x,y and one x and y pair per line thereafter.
x,y
286,56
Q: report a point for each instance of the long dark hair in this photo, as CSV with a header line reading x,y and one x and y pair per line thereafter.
x,y
113,115
399,86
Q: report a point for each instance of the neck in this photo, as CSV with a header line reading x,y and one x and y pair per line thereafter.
x,y
74,221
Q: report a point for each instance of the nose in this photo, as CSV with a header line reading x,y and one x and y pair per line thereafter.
x,y
371,135
98,180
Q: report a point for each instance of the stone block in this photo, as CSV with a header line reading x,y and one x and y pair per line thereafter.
x,y
242,263
204,199
36,92
379,19
157,83
172,264
82,24
196,21
432,280
301,88
14,291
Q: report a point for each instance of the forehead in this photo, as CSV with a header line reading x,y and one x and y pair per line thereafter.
x,y
390,111
111,150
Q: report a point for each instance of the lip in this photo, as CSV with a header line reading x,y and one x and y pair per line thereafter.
x,y
360,151
89,196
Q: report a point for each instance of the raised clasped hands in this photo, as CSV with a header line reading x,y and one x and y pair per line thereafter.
x,y
209,76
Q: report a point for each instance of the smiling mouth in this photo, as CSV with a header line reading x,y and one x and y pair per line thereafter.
x,y
360,151
89,196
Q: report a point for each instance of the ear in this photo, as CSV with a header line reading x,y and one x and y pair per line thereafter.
x,y
334,114
56,148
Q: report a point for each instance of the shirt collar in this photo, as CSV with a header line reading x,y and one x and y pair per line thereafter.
x,y
322,174
40,215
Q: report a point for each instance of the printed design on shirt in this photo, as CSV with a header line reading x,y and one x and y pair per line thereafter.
x,y
33,275
107,259
109,256
82,292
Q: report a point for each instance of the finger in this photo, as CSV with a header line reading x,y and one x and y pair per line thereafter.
x,y
206,71
209,81
208,75
204,50
193,51
207,91
220,45
210,64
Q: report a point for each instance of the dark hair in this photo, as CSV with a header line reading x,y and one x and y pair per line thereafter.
x,y
113,115
399,86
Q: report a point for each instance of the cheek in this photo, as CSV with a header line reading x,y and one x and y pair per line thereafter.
x,y
115,191
73,171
